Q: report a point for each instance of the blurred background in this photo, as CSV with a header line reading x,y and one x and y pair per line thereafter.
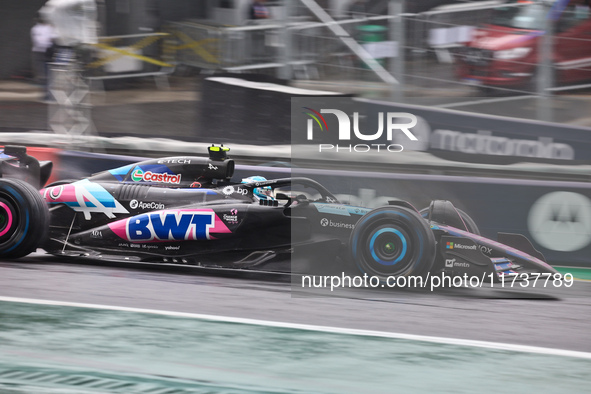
x,y
142,63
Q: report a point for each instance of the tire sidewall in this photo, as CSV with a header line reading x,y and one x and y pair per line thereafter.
x,y
30,218
21,218
399,226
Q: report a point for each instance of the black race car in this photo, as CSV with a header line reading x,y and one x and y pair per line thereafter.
x,y
185,210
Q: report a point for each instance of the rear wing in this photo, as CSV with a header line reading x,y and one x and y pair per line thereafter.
x,y
16,163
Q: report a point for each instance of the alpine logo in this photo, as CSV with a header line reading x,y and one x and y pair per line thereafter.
x,y
148,176
86,197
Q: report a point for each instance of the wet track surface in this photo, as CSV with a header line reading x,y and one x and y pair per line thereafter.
x,y
553,318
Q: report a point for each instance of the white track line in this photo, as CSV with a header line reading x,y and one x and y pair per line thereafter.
x,y
326,329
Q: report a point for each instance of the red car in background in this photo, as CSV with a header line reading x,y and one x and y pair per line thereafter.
x,y
504,53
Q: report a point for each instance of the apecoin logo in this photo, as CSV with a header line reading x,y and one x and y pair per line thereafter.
x,y
390,119
134,204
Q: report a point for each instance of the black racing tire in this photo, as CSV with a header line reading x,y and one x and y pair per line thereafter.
x,y
392,241
24,219
471,225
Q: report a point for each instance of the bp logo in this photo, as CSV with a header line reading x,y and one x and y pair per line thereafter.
x,y
137,175
561,221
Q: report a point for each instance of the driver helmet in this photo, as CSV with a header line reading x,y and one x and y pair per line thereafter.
x,y
263,192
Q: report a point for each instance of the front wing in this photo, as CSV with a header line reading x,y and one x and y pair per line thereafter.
x,y
461,252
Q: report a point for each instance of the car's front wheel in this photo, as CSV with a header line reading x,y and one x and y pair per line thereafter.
x,y
392,241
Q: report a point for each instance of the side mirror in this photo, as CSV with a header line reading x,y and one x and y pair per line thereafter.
x,y
283,196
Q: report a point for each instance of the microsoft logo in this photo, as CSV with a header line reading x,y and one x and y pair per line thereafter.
x,y
449,245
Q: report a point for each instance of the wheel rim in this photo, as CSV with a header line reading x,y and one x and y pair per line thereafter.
x,y
388,246
7,219
386,249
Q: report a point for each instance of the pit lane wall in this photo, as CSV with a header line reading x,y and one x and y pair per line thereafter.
x,y
554,215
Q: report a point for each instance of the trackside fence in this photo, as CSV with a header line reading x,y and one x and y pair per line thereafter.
x,y
433,47
129,56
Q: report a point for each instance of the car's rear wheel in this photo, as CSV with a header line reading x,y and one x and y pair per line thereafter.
x,y
24,218
392,241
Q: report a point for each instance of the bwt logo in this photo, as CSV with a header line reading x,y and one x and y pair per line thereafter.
x,y
165,226
389,122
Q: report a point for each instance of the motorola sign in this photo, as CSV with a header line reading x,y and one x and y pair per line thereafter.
x,y
484,142
561,221
477,137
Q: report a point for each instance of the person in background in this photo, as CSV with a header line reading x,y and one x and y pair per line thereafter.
x,y
258,10
42,37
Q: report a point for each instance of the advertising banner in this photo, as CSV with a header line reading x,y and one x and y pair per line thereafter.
x,y
479,138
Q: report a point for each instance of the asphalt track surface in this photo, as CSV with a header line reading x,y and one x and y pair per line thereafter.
x,y
555,318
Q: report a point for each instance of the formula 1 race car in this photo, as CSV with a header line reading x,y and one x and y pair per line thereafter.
x,y
186,210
